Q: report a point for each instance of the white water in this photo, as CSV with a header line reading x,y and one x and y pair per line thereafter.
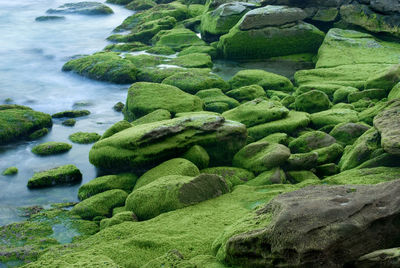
x,y
31,56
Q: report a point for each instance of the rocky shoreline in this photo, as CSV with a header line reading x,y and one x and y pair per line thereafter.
x,y
256,171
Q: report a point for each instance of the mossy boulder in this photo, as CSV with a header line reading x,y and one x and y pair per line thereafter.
x,y
232,175
51,148
302,161
212,51
267,80
341,94
84,137
152,143
387,123
193,60
38,134
144,98
125,181
10,171
293,121
348,133
257,112
176,166
261,156
361,151
17,122
117,219
104,66
369,94
311,141
273,176
247,93
198,156
270,41
61,175
174,192
100,204
192,81
117,127
329,153
299,176
71,114
144,60
69,122
83,8
177,39
333,117
312,102
214,96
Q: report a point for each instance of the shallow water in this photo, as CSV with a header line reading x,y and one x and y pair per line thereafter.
x,y
31,56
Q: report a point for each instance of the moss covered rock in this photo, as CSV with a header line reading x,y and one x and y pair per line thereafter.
x,y
61,175
214,96
364,176
198,156
157,115
69,122
395,92
247,93
176,166
341,94
333,117
312,102
232,175
348,133
117,219
261,156
269,81
177,39
117,127
100,204
174,192
18,122
84,137
125,181
50,148
105,66
84,8
193,60
144,98
257,112
311,141
10,171
199,49
151,143
192,81
273,176
71,114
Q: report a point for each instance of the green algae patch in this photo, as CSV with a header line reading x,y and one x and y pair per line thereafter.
x,y
267,80
84,137
10,171
144,98
104,66
51,148
100,204
176,166
18,122
125,181
61,175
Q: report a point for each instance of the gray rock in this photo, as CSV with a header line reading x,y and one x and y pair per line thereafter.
x,y
387,123
271,16
83,8
386,6
319,226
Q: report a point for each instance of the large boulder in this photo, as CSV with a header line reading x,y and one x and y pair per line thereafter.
x,y
144,98
84,8
317,226
152,143
17,122
174,192
387,123
310,141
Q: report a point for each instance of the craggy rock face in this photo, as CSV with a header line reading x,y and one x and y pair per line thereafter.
x,y
321,226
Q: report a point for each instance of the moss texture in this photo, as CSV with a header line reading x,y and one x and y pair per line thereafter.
x,y
84,137
198,156
61,175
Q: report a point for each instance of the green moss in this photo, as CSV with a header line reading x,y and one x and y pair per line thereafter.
x,y
144,60
100,204
348,133
342,94
118,106
157,115
105,66
288,125
364,176
125,181
215,95
192,81
198,156
51,148
176,166
281,138
270,41
367,116
333,117
310,141
302,161
140,5
269,81
118,210
199,49
117,127
233,175
372,94
144,98
273,176
71,114
261,156
157,75
193,60
84,137
161,50
60,175
18,122
329,154
69,122
38,134
117,219
10,171
247,93
361,150
395,92
174,192
177,39
257,112
301,176
126,47
327,170
312,102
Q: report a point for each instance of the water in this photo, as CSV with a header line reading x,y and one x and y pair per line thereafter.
x,y
31,56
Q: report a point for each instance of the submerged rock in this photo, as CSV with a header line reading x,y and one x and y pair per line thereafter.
x,y
10,171
61,175
84,137
71,114
84,8
51,148
49,18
